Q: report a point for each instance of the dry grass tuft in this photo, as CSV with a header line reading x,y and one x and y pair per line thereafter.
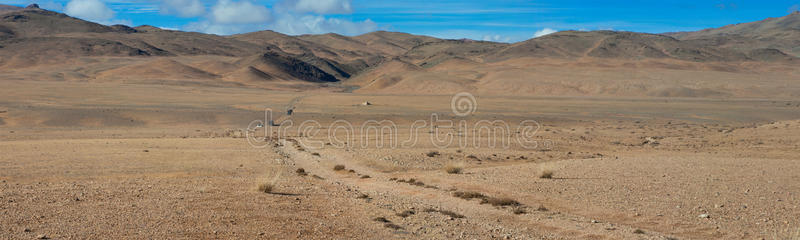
x,y
638,231
268,184
454,168
545,172
338,167
266,187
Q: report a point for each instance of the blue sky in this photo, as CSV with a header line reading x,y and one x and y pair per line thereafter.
x,y
506,21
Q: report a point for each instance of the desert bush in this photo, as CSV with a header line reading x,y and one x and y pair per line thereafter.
x,y
541,208
268,184
453,168
406,213
266,187
545,172
381,219
365,176
451,214
392,226
500,201
338,167
432,154
519,210
468,195
301,172
445,212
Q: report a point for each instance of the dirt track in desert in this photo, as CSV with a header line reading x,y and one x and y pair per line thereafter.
x,y
84,160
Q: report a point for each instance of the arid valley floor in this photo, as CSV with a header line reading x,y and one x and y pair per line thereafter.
x,y
176,165
118,132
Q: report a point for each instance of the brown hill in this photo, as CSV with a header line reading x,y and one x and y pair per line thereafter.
x,y
617,45
746,60
781,33
159,69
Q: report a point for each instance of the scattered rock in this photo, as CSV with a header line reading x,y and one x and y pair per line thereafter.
x,y
366,103
704,215
42,236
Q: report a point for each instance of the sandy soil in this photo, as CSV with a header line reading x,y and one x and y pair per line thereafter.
x,y
81,160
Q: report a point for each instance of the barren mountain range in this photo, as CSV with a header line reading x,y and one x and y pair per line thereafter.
x,y
755,59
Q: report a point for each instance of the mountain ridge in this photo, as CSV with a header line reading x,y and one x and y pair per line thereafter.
x,y
32,39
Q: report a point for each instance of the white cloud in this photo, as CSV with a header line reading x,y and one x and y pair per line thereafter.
x,y
310,24
320,6
496,38
290,17
182,8
543,32
242,12
93,10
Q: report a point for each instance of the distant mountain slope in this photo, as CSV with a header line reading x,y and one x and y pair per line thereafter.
x,y
753,59
617,45
781,33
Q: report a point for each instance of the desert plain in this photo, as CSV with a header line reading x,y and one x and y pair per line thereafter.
x,y
97,144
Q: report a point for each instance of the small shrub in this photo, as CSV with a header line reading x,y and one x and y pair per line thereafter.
x,y
545,172
338,167
301,172
392,226
500,202
451,214
363,196
453,168
315,154
266,187
432,154
445,212
381,219
468,195
365,176
393,179
638,231
406,213
519,210
541,208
